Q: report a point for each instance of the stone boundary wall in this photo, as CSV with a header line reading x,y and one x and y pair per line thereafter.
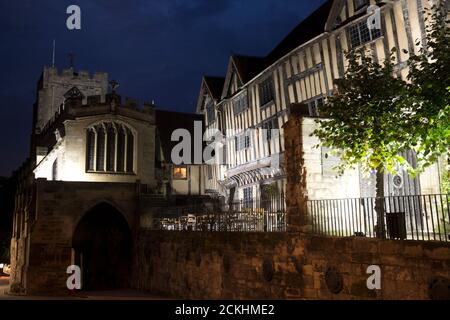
x,y
42,250
287,266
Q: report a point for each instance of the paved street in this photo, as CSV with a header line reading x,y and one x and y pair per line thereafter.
x,y
100,295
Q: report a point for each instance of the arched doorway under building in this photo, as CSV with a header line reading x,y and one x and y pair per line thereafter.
x,y
102,242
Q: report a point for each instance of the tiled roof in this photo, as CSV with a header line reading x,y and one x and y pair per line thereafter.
x,y
215,86
248,67
308,29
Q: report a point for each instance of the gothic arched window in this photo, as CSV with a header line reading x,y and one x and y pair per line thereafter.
x,y
121,137
111,143
100,148
129,157
90,149
55,170
110,148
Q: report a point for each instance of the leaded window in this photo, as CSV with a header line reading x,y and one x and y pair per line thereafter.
x,y
248,197
110,148
130,153
360,34
314,107
266,91
242,141
90,146
240,104
211,112
268,126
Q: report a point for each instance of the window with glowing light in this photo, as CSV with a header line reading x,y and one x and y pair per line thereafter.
x,y
110,148
180,173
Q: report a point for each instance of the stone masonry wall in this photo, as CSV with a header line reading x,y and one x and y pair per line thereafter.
x,y
294,265
44,250
286,266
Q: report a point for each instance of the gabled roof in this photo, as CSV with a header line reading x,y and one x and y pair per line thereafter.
x,y
308,29
245,67
248,67
212,86
169,121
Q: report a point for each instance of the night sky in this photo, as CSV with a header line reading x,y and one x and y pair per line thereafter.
x,y
157,50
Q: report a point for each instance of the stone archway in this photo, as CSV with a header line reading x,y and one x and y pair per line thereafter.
x,y
102,242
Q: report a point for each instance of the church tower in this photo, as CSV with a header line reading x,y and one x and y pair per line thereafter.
x,y
53,86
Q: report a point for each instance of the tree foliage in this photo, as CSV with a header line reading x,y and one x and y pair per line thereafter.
x,y
365,118
429,90
375,116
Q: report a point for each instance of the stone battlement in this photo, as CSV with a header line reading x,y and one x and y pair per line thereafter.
x,y
100,104
70,73
108,99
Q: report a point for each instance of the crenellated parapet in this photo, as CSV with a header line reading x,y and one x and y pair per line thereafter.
x,y
70,74
77,106
55,85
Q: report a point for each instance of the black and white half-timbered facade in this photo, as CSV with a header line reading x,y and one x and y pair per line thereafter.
x,y
255,95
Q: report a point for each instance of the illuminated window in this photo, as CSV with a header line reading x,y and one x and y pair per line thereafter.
x,y
111,143
121,137
100,149
180,173
130,152
110,148
90,146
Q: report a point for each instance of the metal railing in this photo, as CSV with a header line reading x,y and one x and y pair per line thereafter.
x,y
241,216
418,217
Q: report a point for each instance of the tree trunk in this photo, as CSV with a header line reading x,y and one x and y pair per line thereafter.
x,y
379,205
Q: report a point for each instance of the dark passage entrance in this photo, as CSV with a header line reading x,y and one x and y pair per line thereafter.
x,y
102,243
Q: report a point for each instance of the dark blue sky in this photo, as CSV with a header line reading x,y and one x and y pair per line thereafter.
x,y
157,50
